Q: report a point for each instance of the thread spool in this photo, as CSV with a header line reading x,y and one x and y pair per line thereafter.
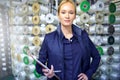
x,y
35,50
97,40
35,19
116,66
27,30
84,17
36,41
110,19
99,29
104,1
35,7
14,70
43,19
21,10
25,59
106,68
50,28
98,6
114,76
108,40
24,9
110,29
31,77
37,75
23,40
25,49
104,77
44,9
43,29
20,20
84,6
21,75
44,1
110,51
99,17
117,28
92,19
35,30
107,59
79,1
112,8
116,58
29,69
50,18
77,20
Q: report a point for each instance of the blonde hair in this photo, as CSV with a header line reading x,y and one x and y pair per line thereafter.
x,y
65,1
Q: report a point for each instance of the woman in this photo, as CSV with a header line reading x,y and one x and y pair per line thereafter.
x,y
68,49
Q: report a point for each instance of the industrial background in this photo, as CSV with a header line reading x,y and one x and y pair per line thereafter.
x,y
24,23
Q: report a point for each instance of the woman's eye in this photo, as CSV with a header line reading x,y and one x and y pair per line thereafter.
x,y
63,12
71,12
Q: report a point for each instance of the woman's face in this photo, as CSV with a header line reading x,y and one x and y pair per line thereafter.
x,y
66,14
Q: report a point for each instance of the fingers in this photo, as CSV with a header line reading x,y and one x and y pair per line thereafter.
x,y
49,72
82,76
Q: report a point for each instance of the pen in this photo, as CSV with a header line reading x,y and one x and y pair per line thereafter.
x,y
57,71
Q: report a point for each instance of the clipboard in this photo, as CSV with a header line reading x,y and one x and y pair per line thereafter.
x,y
44,66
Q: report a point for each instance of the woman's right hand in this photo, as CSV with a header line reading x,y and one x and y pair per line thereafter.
x,y
49,72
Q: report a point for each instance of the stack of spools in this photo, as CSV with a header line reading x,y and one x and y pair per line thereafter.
x,y
25,21
101,20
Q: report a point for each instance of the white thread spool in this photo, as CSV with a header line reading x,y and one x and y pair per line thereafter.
x,y
92,19
79,11
35,50
115,76
106,68
78,20
96,29
29,69
98,6
104,77
31,77
50,18
116,66
42,19
44,9
84,17
42,29
116,57
21,75
20,20
117,28
27,30
96,39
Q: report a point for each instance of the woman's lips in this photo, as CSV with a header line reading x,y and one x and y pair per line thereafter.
x,y
67,20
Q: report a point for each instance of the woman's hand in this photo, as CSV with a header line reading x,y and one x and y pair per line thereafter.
x,y
49,72
82,76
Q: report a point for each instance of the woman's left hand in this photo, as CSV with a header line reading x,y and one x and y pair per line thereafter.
x,y
82,76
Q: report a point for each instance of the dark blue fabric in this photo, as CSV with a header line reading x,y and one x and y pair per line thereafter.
x,y
52,52
70,47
